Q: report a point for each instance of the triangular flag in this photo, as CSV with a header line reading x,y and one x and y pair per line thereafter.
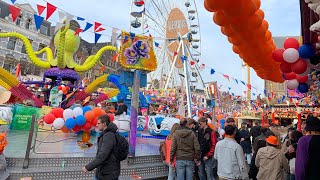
x,y
62,16
243,82
58,26
80,18
245,92
125,39
100,29
146,27
283,98
192,63
69,17
133,35
249,86
96,26
229,88
13,1
50,10
183,58
212,71
40,9
88,26
175,53
14,11
135,40
156,44
96,37
79,30
236,81
226,76
115,57
38,21
265,91
253,94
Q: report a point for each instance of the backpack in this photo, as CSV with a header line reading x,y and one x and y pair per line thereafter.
x,y
162,150
121,149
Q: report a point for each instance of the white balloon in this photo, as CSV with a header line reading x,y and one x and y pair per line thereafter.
x,y
292,84
68,113
58,123
60,92
291,55
77,111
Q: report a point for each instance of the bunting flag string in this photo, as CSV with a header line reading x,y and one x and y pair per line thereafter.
x,y
96,37
38,21
40,9
50,10
88,26
15,12
96,26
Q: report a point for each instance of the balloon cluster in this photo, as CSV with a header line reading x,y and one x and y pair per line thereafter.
x,y
242,21
63,89
293,59
77,119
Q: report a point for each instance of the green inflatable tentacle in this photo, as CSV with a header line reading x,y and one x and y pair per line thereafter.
x,y
91,61
60,56
34,59
48,52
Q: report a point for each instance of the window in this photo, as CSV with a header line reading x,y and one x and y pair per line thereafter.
x,y
43,30
8,66
41,46
23,49
18,21
12,43
28,24
78,59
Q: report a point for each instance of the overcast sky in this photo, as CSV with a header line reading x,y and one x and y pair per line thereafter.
x,y
283,18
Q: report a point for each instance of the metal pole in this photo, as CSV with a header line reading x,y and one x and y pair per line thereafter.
x,y
171,70
27,155
134,113
186,79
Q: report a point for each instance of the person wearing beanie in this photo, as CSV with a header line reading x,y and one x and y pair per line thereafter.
x,y
271,161
308,156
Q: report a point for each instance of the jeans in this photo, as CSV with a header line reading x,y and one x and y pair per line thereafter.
x,y
248,158
172,174
292,177
185,169
206,169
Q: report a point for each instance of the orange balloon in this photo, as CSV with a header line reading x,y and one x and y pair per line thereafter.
x,y
268,35
65,130
265,24
86,137
248,8
232,8
260,13
254,21
89,115
235,49
219,18
214,5
258,3
235,41
228,31
208,8
97,111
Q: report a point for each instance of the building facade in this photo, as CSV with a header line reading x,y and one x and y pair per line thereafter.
x,y
12,50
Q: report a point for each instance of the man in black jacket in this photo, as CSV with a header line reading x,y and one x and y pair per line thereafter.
x,y
121,108
106,164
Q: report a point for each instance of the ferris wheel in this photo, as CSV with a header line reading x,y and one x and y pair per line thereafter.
x,y
174,25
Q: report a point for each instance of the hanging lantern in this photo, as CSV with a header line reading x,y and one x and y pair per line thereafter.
x,y
194,74
135,24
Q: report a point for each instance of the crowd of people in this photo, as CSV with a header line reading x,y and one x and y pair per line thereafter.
x,y
196,150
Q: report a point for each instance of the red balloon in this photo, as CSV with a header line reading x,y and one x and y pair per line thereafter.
x,y
49,118
76,128
291,43
111,116
277,55
57,112
299,66
59,88
94,121
285,67
290,76
87,126
302,79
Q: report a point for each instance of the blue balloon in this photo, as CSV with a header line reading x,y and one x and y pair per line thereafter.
x,y
86,108
303,87
70,123
222,122
80,120
306,51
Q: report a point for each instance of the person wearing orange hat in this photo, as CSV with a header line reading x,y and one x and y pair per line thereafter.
x,y
4,173
271,161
